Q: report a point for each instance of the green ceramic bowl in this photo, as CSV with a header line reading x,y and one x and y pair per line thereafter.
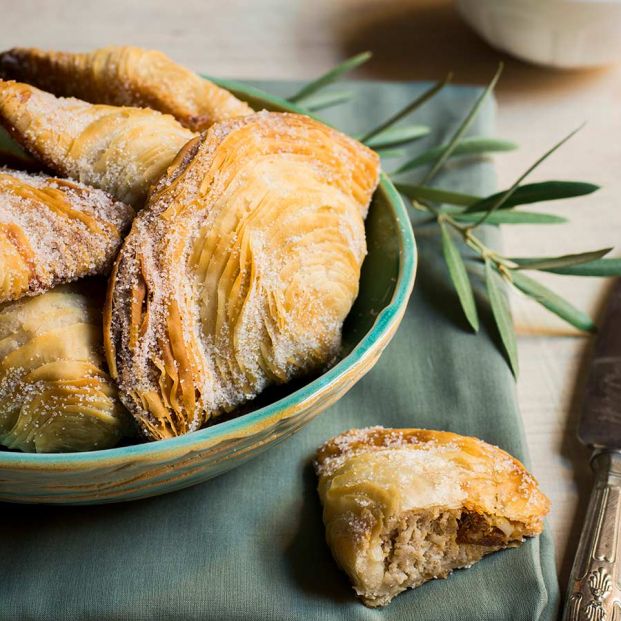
x,y
141,470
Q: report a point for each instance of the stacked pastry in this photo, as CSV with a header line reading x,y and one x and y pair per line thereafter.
x,y
239,269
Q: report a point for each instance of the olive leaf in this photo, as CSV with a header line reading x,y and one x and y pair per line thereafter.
x,y
436,195
546,263
388,154
459,276
553,302
395,136
329,77
503,197
464,126
417,102
329,99
471,145
532,193
508,216
502,316
600,267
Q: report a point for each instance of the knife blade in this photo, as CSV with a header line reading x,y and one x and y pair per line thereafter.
x,y
594,590
600,423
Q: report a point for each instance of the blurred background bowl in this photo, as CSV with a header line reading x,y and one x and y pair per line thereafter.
x,y
567,34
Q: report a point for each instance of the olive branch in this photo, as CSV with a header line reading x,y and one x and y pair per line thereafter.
x,y
459,216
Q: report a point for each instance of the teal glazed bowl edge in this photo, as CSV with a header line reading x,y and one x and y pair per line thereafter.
x,y
149,469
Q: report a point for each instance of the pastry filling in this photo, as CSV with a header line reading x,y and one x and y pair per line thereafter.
x,y
424,545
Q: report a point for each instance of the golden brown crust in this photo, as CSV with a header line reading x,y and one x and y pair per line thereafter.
x,y
499,483
125,76
120,150
252,286
53,231
403,506
55,395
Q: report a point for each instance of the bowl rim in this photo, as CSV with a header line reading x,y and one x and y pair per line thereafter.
x,y
385,320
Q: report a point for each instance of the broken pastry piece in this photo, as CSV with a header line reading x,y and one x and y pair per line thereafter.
x,y
55,395
404,506
125,76
120,150
240,270
54,231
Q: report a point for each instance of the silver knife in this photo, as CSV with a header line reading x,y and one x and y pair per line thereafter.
x,y
594,592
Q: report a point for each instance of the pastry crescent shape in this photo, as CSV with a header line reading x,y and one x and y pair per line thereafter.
x,y
240,270
54,231
403,506
120,150
125,76
55,395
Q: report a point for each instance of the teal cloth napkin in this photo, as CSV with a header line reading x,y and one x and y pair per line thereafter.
x,y
249,545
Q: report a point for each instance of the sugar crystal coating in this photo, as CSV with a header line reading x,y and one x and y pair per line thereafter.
x,y
241,269
55,395
54,231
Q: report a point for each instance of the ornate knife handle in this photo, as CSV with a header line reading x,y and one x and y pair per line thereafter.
x,y
594,592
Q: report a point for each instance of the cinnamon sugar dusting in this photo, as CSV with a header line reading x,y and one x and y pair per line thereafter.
x,y
54,231
260,268
466,462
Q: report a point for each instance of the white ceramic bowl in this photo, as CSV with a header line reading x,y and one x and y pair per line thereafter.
x,y
560,33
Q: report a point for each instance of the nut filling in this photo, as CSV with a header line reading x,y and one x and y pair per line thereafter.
x,y
427,545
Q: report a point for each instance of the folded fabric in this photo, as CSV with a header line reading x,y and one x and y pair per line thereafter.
x,y
249,545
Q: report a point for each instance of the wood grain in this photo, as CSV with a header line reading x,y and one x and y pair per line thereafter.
x,y
414,39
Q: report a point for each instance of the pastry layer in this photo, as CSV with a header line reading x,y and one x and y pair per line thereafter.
x,y
118,149
403,506
55,395
125,76
240,270
54,231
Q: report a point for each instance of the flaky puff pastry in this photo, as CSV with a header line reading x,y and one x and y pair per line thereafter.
x,y
55,395
120,150
54,231
240,270
125,76
403,506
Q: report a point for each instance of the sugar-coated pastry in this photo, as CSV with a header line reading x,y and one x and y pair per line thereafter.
x,y
120,150
404,506
54,231
55,395
125,76
240,270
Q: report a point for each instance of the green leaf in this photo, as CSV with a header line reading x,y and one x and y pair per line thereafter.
x,y
413,105
507,216
394,136
504,197
436,195
567,260
534,193
502,316
8,145
330,76
461,130
553,302
388,154
459,276
330,99
601,267
471,145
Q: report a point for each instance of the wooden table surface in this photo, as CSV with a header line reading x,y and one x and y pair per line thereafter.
x,y
414,40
